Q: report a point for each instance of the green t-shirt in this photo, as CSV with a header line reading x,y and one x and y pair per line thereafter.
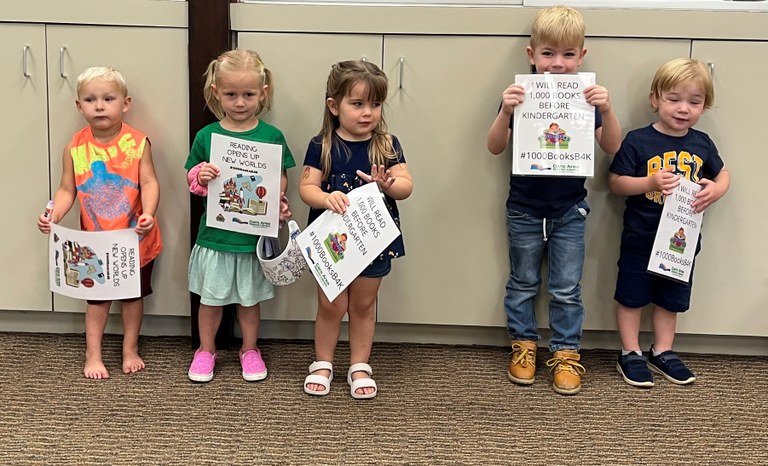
x,y
214,238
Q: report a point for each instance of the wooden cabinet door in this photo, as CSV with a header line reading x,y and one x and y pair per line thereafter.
x,y
154,62
300,64
24,250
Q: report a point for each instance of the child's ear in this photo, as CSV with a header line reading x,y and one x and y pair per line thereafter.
x,y
215,92
264,92
79,107
529,50
583,53
127,103
654,101
332,106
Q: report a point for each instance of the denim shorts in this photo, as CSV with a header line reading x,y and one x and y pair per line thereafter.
x,y
636,287
378,268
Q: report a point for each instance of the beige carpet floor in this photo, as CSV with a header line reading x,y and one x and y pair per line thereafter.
x,y
437,405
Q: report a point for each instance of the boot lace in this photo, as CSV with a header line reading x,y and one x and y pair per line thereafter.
x,y
522,355
561,363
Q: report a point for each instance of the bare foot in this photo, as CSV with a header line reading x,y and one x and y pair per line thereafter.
x,y
95,369
132,362
362,390
317,387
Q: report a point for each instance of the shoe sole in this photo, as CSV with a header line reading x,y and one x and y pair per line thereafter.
x,y
564,391
634,383
255,377
672,379
317,392
366,396
514,379
201,378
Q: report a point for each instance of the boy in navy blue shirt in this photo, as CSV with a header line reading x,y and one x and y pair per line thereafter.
x,y
648,167
549,212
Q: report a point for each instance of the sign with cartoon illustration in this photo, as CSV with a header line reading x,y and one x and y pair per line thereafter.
x,y
245,197
675,245
338,247
99,265
553,130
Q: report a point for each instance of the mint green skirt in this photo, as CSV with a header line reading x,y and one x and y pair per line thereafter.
x,y
222,278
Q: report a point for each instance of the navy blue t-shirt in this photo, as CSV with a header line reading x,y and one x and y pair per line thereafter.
x,y
646,151
346,158
545,196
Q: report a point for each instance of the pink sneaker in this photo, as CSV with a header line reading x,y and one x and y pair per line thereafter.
x,y
201,369
253,366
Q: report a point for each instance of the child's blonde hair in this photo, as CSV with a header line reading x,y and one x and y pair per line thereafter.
x,y
558,26
682,71
343,77
236,60
102,73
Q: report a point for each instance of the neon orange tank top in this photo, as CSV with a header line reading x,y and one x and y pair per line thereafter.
x,y
107,179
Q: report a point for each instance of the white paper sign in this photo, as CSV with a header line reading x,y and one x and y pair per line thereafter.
x,y
675,245
338,247
553,130
98,265
245,197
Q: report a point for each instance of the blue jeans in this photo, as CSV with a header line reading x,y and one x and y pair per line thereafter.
x,y
563,238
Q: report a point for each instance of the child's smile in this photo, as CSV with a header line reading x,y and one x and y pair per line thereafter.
x,y
679,109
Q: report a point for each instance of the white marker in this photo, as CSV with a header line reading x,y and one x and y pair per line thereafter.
x,y
48,209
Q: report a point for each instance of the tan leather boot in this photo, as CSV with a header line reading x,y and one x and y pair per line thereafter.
x,y
567,371
522,365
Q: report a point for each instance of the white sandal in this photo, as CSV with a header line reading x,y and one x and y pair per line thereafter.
x,y
363,382
319,379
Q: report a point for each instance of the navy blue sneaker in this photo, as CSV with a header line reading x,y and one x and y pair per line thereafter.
x,y
670,366
634,368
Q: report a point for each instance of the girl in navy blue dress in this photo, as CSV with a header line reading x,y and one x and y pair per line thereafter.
x,y
352,149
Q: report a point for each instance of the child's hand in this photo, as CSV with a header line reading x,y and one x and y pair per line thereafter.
x,y
710,193
380,174
44,224
597,96
337,201
285,209
145,224
207,172
512,96
664,181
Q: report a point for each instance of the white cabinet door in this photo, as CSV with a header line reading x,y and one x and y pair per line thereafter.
x,y
625,67
454,225
154,62
445,93
300,64
24,250
730,287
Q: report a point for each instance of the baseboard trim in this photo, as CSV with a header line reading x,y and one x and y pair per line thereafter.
x,y
64,322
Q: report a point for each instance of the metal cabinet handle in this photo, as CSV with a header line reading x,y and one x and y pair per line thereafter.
x,y
402,66
62,52
711,67
24,63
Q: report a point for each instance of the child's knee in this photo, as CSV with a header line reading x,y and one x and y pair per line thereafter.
x,y
363,308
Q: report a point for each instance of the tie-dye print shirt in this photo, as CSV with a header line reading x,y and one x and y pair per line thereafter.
x,y
107,179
